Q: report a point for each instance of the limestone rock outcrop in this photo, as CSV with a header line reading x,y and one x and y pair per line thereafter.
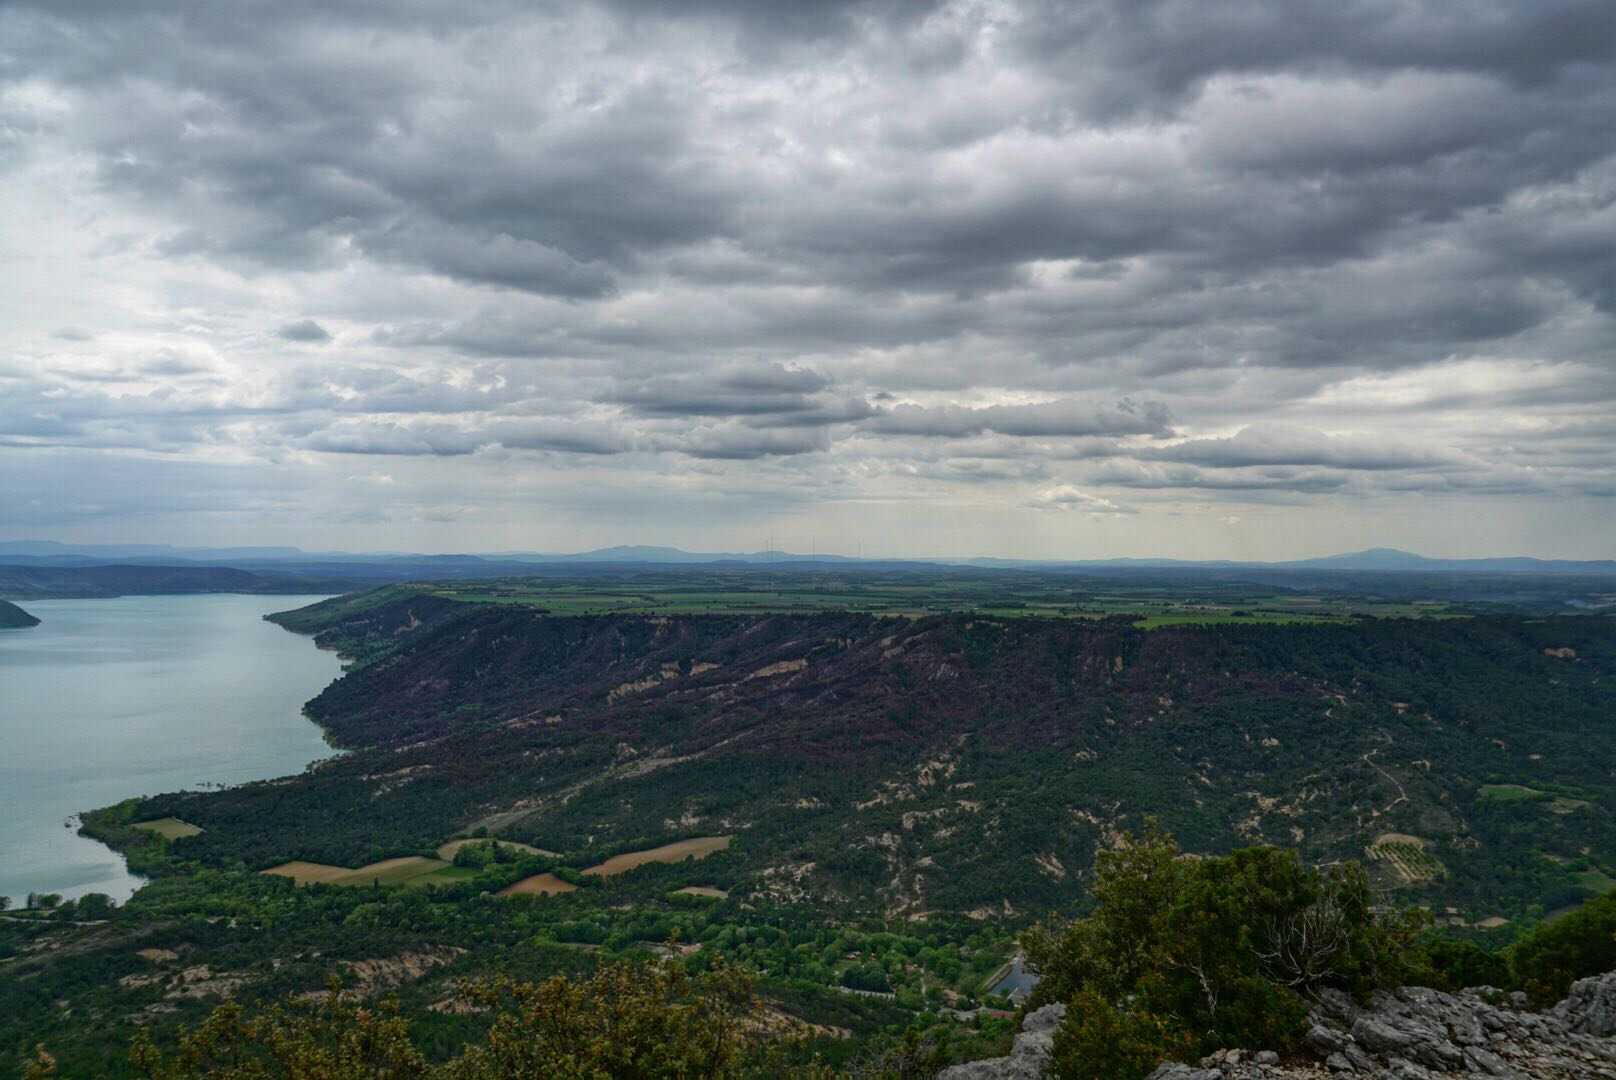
x,y
1029,1054
1414,1033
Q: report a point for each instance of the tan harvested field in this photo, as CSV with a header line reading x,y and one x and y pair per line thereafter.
x,y
308,873
698,848
702,890
447,851
386,872
539,885
169,828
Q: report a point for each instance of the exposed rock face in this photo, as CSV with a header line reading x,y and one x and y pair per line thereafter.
x,y
1029,1054
1418,1033
1590,1008
1413,1034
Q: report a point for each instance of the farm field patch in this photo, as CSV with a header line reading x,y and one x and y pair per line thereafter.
x,y
1406,856
169,828
386,872
698,848
758,591
545,884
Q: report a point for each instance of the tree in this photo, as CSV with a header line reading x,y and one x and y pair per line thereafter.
x,y
1554,955
1097,1041
621,1023
329,1036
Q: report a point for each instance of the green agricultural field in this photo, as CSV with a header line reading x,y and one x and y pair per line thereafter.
x,y
1151,622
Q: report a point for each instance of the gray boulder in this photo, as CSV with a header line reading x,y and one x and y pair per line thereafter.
x,y
1172,1070
1590,1008
1029,1053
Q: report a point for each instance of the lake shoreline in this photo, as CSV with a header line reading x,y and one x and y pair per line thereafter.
x,y
123,698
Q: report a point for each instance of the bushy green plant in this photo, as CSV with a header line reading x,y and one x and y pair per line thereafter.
x,y
1098,1041
1451,965
623,1023
1554,955
1198,954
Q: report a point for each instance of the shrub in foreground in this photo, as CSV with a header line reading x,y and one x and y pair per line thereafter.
x,y
622,1023
1182,956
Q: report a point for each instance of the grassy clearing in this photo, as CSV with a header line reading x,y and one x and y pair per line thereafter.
x,y
1510,793
702,890
545,884
698,848
169,828
1596,881
447,875
446,852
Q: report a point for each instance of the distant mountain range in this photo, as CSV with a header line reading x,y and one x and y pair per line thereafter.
x,y
399,565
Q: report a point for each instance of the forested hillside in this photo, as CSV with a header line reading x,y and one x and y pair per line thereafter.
x,y
955,763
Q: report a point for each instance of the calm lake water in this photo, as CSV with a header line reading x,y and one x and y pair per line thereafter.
x,y
108,699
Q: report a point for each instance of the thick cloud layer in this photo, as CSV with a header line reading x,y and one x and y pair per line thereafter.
x,y
1250,278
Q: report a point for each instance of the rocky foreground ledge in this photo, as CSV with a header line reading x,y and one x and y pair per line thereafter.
x,y
1413,1034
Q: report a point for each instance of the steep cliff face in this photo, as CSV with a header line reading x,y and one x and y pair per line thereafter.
x,y
1413,1034
954,763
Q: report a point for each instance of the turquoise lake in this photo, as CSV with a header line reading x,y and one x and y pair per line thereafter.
x,y
138,695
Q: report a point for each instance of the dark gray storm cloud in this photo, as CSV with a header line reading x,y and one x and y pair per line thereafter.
x,y
1136,259
304,330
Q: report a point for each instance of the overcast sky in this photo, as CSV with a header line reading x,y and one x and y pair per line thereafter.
x,y
1237,279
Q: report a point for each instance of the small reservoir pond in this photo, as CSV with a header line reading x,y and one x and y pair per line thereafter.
x,y
109,699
